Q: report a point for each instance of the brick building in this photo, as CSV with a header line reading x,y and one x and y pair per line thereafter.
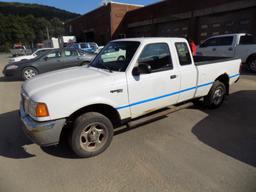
x,y
181,18
102,24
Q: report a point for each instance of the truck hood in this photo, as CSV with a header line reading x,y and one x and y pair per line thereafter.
x,y
66,78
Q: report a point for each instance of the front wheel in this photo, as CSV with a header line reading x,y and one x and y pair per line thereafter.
x,y
216,96
28,73
92,134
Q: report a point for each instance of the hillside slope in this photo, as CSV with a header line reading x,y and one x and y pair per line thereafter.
x,y
24,9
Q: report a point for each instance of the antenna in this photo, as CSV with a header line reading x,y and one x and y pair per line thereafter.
x,y
105,2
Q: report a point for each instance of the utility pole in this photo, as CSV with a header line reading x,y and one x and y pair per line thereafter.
x,y
47,32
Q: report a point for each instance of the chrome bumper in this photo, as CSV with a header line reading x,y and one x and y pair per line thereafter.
x,y
42,133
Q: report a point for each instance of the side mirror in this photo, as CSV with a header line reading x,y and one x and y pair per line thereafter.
x,y
142,68
46,58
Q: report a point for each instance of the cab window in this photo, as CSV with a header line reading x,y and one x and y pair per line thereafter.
x,y
183,53
69,53
54,54
157,56
225,41
209,42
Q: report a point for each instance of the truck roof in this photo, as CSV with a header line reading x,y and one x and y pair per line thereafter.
x,y
151,39
231,34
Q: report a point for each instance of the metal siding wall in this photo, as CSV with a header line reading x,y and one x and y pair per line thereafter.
x,y
231,22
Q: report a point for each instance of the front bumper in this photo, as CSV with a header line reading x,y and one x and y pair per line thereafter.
x,y
42,133
11,73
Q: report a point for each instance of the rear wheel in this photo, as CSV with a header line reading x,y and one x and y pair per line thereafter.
x,y
28,73
92,134
251,64
121,58
216,96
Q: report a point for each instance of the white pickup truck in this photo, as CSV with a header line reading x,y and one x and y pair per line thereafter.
x,y
91,101
240,45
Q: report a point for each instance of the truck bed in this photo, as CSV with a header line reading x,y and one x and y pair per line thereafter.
x,y
205,60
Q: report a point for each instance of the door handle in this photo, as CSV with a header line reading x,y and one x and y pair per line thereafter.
x,y
230,49
173,76
214,49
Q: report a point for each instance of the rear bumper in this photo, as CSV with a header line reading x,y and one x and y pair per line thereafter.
x,y
42,133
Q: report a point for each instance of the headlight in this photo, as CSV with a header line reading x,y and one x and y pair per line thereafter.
x,y
38,109
11,67
11,60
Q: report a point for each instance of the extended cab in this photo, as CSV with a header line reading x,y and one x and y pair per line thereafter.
x,y
91,101
239,45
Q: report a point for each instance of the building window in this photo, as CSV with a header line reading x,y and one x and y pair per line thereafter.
x,y
216,33
216,25
230,24
204,26
203,34
184,29
121,36
244,22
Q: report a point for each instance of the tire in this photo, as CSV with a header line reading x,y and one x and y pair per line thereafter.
x,y
251,64
121,58
92,134
85,63
28,73
216,96
197,102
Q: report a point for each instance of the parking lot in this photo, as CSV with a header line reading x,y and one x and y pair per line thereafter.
x,y
191,150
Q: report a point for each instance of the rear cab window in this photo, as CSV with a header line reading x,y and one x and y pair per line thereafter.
x,y
247,40
183,53
218,41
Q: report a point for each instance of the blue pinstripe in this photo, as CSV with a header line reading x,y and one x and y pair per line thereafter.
x,y
170,94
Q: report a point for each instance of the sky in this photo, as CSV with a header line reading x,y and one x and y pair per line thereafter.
x,y
79,6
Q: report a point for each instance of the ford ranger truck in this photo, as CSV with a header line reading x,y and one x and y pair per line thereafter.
x,y
91,101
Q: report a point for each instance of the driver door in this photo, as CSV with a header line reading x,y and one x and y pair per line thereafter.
x,y
158,89
51,61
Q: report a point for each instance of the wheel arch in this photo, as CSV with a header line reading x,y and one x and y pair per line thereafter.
x,y
250,57
27,66
224,78
110,112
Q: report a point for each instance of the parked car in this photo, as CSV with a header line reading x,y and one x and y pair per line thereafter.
x,y
238,45
113,55
19,50
52,60
90,47
37,53
91,101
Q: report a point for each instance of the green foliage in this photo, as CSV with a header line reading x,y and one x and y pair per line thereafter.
x,y
28,23
24,9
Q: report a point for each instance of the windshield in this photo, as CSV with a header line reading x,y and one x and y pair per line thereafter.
x,y
116,56
84,45
38,53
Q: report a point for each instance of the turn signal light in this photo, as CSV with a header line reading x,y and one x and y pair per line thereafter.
x,y
41,110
